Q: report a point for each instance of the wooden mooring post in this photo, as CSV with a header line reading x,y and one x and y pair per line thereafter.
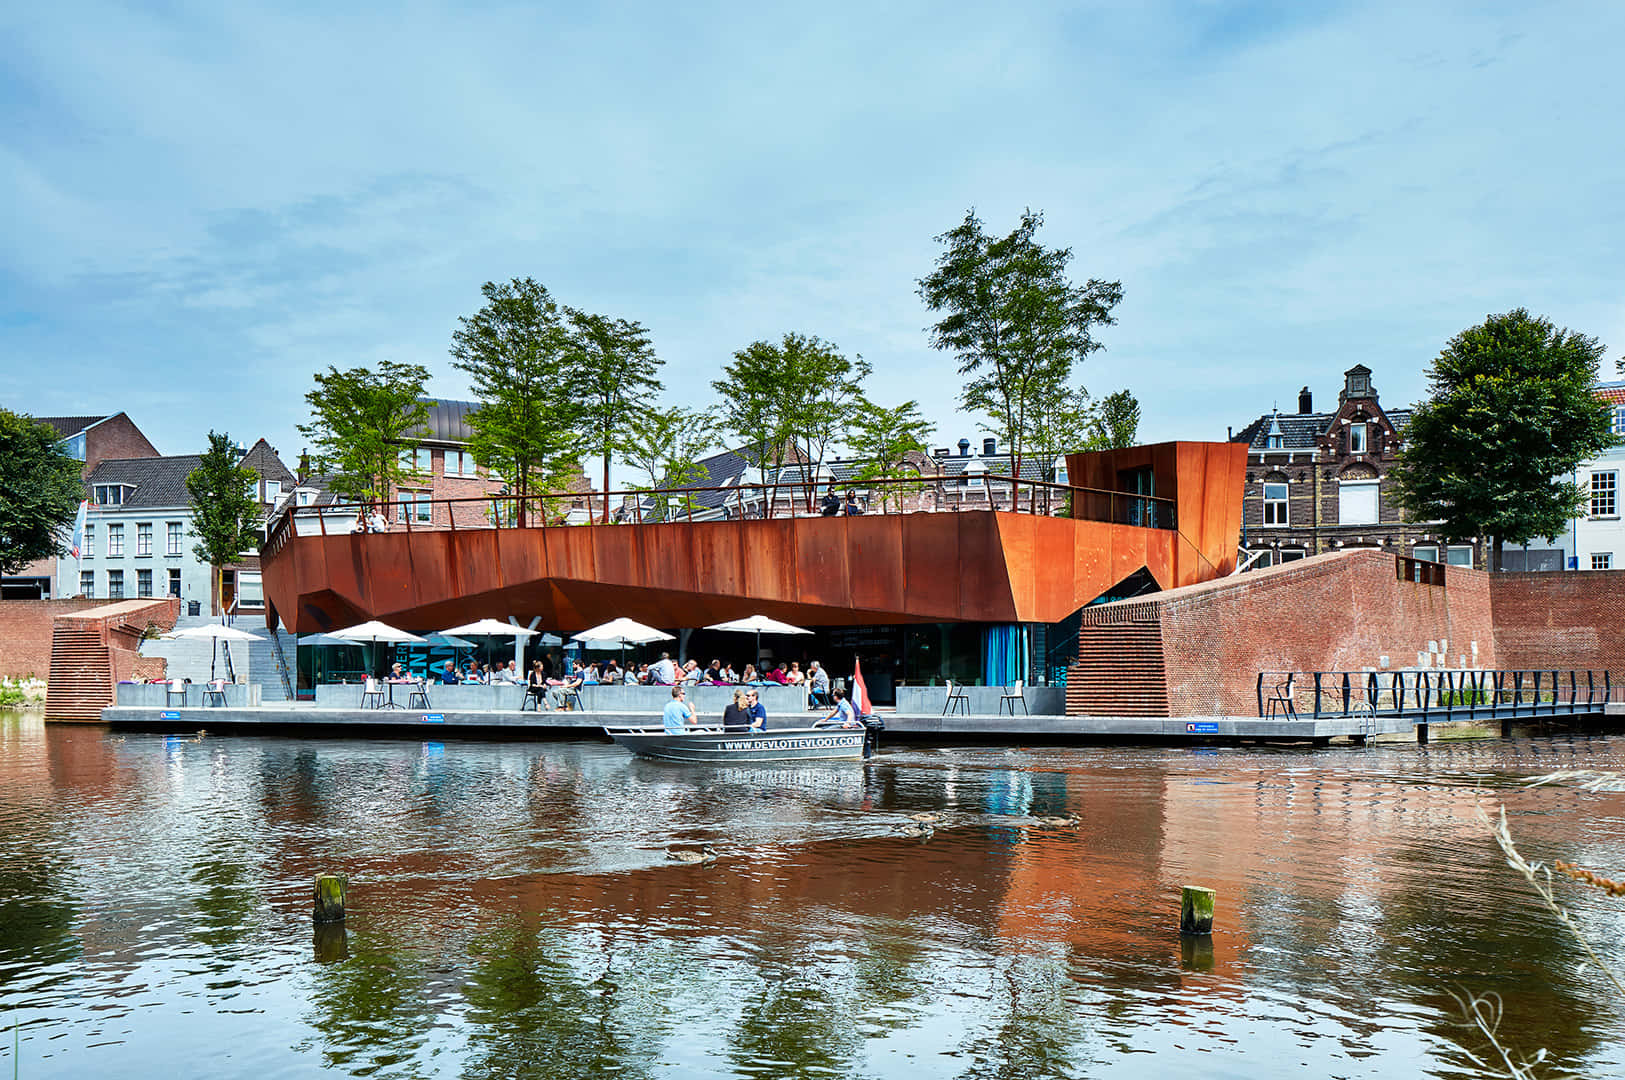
x,y
330,898
1195,911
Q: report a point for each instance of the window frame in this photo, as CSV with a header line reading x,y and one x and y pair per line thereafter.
x,y
174,538
174,583
143,538
1374,486
143,583
115,540
1431,549
463,458
1360,432
1604,493
423,512
115,584
1607,558
273,490
87,584
1282,504
1453,550
89,547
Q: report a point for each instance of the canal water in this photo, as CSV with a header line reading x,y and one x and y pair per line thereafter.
x,y
514,911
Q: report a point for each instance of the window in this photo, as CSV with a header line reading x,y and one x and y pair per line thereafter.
x,y
1275,512
90,543
419,461
115,541
1618,424
1357,502
304,496
1459,555
460,463
172,544
1426,552
87,583
273,490
250,591
109,494
143,538
115,584
174,581
1602,560
143,583
414,506
1273,442
1603,486
1287,555
1357,439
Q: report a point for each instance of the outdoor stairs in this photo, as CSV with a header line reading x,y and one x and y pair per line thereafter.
x,y
81,683
1120,670
251,662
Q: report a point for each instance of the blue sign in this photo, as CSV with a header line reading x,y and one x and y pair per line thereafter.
x,y
169,716
434,718
1203,727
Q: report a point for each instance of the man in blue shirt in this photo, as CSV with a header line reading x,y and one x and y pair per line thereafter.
x,y
448,674
758,711
678,714
843,715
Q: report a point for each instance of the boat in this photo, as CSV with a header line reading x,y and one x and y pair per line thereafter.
x,y
715,746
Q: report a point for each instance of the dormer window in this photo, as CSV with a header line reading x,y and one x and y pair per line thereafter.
x,y
111,494
1272,442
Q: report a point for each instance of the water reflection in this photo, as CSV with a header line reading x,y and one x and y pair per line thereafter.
x,y
513,912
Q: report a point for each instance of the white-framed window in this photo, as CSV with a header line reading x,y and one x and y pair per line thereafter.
x,y
250,589
1604,488
172,538
273,490
414,506
174,581
115,540
1286,555
1357,502
115,584
1425,552
1617,422
1272,442
460,463
419,461
1357,439
143,583
87,583
1275,505
90,543
1459,555
143,538
1602,560
109,494
304,496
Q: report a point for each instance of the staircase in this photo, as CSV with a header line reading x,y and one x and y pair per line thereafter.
x,y
253,662
81,683
1120,669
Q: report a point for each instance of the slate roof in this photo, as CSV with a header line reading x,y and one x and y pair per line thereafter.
x,y
262,458
447,421
1300,430
158,481
69,426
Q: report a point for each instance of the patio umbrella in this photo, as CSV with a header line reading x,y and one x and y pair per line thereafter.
x,y
623,632
215,631
373,632
761,624
491,628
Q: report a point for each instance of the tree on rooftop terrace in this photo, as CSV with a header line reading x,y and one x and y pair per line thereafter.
x,y
365,423
40,491
880,437
611,366
225,507
1013,321
666,445
529,426
1509,417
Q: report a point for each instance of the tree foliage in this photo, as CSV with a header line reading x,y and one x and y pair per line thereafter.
x,y
612,375
364,424
1509,417
514,350
1013,321
881,438
40,491
666,445
225,506
1116,421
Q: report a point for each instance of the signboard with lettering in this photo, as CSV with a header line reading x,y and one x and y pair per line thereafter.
x,y
169,715
1202,727
434,718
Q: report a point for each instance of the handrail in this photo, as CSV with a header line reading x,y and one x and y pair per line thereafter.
x,y
951,494
282,664
1443,694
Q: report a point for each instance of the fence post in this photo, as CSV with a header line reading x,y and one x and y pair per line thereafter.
x,y
1345,693
1260,694
1317,695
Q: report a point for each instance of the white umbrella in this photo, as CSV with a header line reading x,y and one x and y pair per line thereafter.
x,y
214,631
375,632
491,628
623,632
761,624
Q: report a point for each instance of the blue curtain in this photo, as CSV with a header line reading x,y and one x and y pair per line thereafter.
x,y
1004,654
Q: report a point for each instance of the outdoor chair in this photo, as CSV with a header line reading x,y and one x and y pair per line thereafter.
x,y
174,688
1012,696
371,691
419,697
1280,699
214,692
571,696
957,698
535,697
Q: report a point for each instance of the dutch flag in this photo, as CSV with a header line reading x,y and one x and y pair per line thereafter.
x,y
860,692
79,527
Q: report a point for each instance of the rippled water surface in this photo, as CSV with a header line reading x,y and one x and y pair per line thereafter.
x,y
514,911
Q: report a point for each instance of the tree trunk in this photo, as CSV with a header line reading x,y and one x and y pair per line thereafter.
x,y
1495,562
606,488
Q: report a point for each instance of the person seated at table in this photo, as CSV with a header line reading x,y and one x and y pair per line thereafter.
x,y
612,673
590,675
572,683
729,675
736,717
777,675
750,676
397,674
852,509
713,673
758,711
678,714
830,504
691,673
843,715
634,676
818,684
537,680
794,676
376,522
448,674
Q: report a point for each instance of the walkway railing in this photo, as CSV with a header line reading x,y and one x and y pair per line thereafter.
x,y
1431,695
731,502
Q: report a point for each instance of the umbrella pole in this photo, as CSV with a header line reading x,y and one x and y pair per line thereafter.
x,y
214,647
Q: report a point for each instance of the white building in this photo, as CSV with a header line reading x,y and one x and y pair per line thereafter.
x,y
1596,539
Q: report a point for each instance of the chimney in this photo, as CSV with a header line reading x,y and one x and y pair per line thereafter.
x,y
1306,401
940,452
964,448
990,447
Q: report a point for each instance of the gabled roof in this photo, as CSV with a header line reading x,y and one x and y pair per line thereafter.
x,y
262,458
1301,431
69,426
157,481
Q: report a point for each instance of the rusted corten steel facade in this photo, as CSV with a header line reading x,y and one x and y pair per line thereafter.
x,y
968,566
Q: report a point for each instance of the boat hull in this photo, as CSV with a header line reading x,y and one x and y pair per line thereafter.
x,y
732,748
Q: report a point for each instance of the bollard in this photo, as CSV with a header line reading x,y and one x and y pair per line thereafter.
x,y
330,898
1422,734
1195,910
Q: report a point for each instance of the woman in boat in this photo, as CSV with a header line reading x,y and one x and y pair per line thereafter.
x,y
736,717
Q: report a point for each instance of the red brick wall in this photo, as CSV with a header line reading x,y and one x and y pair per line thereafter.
x,y
25,634
115,438
1562,621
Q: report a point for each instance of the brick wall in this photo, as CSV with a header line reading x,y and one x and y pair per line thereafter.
x,y
1562,621
113,439
25,634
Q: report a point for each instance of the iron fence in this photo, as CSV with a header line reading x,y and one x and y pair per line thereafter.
x,y
1437,695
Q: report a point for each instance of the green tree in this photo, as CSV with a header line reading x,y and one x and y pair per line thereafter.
x,y
40,491
225,507
1013,321
365,423
753,387
1509,417
612,368
880,437
1063,422
1116,421
528,428
666,445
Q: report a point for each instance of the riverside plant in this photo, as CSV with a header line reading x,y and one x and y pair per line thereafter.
x,y
19,692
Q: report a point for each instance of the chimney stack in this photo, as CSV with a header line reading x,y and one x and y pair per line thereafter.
x,y
1306,402
964,448
990,447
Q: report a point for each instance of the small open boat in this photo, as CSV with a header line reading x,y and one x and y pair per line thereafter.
x,y
731,748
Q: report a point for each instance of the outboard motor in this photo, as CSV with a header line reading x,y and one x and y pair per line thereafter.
x,y
872,727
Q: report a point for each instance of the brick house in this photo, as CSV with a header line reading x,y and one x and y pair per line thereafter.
x,y
1319,482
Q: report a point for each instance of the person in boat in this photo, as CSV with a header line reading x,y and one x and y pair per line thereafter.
x,y
843,715
736,717
678,716
758,711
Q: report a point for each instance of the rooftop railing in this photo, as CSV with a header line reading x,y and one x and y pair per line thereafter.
x,y
733,502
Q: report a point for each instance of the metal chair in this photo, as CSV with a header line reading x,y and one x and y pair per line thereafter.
x,y
1280,699
419,697
371,691
214,693
1014,694
172,688
956,698
571,695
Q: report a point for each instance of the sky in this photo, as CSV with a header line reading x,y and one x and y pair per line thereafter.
x,y
202,204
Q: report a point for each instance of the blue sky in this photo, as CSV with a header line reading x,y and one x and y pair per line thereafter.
x,y
201,204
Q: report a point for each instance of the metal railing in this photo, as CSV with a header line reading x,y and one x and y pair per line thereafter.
x,y
1432,695
639,506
